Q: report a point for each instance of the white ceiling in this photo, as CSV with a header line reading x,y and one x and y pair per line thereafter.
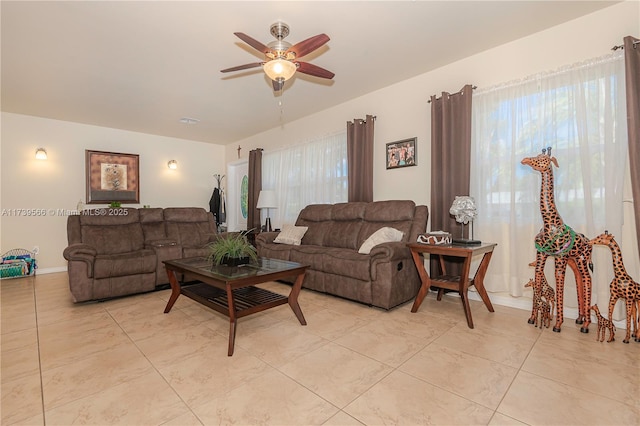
x,y
143,65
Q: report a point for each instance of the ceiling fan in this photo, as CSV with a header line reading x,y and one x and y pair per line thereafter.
x,y
282,58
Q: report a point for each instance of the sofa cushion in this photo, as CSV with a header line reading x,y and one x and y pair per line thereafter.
x,y
114,239
148,215
291,235
398,214
189,226
382,235
118,265
195,252
344,229
152,224
276,251
115,231
308,255
346,262
314,216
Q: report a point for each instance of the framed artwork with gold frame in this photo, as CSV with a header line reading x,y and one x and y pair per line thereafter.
x,y
112,176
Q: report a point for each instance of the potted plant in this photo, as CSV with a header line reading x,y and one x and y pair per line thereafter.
x,y
232,249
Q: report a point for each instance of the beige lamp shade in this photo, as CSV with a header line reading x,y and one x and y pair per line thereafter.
x,y
267,200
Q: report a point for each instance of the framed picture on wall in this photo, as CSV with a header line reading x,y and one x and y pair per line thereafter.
x,y
401,153
112,177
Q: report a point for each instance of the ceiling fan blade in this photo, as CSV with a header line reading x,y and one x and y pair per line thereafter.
x,y
309,45
310,69
243,67
253,42
277,85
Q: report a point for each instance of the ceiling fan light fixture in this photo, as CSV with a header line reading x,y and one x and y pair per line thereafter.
x,y
279,69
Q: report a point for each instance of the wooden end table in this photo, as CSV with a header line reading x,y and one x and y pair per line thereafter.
x,y
230,290
459,283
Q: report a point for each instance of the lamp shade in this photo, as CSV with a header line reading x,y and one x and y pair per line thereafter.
x,y
279,69
267,200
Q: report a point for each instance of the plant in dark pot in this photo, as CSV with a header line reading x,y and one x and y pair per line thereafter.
x,y
232,249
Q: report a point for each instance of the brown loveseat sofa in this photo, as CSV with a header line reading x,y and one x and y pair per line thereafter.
x,y
386,277
121,252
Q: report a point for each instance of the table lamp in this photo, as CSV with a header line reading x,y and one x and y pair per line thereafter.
x,y
464,209
267,200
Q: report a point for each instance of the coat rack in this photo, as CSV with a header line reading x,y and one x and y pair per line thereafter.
x,y
219,179
217,202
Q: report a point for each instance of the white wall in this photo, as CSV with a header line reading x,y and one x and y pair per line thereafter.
x,y
402,110
60,182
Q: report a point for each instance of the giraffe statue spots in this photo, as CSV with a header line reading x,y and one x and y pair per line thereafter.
x,y
622,286
558,240
604,324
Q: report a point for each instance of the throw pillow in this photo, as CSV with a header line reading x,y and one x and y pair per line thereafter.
x,y
291,235
382,235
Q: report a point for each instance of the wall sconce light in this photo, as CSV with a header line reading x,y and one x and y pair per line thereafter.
x,y
173,164
41,154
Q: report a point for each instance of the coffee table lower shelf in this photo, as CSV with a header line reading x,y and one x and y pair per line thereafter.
x,y
246,300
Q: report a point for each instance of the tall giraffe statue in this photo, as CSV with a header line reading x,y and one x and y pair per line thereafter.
x,y
558,240
622,286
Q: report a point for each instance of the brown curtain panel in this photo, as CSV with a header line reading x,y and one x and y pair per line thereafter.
x,y
360,159
255,186
632,78
450,161
450,156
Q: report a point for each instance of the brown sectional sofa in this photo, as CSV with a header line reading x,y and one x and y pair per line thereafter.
x,y
386,277
121,252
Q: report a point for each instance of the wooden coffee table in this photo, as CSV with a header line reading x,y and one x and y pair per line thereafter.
x,y
231,290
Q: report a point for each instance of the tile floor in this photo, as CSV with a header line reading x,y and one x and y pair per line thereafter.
x,y
125,362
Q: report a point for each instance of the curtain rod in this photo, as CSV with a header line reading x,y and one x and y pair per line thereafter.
x,y
362,120
451,94
614,48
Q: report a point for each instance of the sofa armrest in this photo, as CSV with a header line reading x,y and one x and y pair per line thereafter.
x,y
266,237
81,253
389,252
79,250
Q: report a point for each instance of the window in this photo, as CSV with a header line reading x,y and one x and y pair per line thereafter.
x,y
579,111
314,172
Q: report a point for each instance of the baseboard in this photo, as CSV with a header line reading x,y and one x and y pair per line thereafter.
x,y
524,303
43,271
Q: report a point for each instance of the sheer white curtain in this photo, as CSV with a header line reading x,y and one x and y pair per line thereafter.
x,y
580,112
313,172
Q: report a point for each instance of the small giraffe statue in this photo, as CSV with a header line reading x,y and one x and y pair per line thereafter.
x,y
622,286
543,290
543,313
558,240
604,324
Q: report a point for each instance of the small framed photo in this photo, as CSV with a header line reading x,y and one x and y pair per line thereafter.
x,y
112,177
401,154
